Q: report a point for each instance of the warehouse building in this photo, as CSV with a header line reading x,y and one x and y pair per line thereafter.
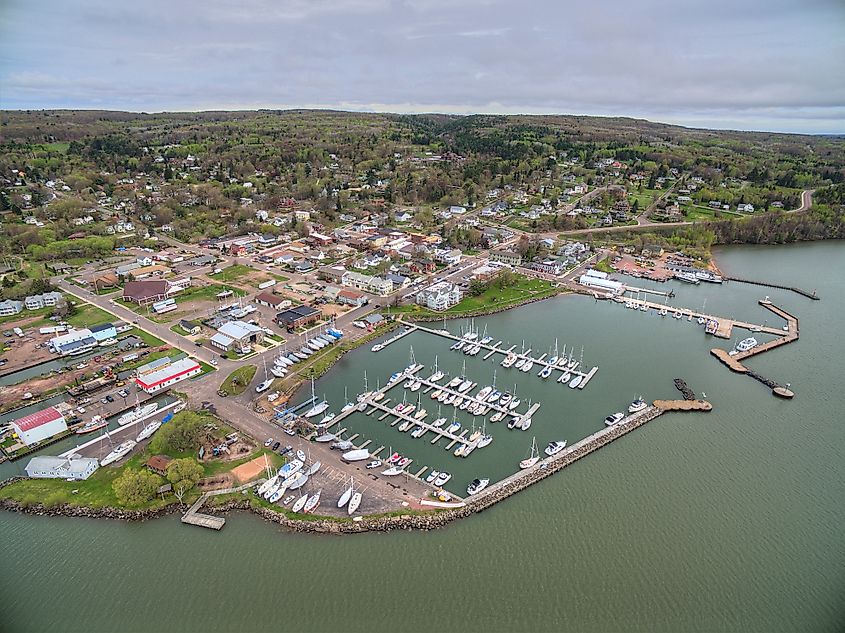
x,y
165,372
39,426
74,342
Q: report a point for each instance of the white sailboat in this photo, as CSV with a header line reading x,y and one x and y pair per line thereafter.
x,y
354,502
300,503
347,495
533,457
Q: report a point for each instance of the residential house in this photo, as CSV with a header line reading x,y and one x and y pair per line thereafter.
x,y
190,327
439,296
158,464
76,468
368,283
352,297
10,307
506,257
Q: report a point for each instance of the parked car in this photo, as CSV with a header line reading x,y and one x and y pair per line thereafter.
x,y
109,398
269,441
276,445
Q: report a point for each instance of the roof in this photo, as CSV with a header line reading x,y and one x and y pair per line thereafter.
x,y
145,289
39,418
153,365
158,462
298,312
76,465
269,297
173,370
187,325
221,339
350,294
374,318
100,328
238,329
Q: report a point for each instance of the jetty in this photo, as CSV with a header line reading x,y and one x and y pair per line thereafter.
x,y
799,291
194,517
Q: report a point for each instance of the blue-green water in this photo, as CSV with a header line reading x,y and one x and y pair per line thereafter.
x,y
726,521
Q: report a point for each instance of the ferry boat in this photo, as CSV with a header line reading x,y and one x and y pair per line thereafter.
x,y
120,451
94,424
746,344
137,413
710,277
616,418
689,278
637,405
477,485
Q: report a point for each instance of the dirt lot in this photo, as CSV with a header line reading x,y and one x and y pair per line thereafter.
x,y
24,353
250,470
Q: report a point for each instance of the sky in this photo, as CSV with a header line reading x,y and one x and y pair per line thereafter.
x,y
740,64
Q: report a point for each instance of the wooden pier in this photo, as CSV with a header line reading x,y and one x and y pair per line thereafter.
x,y
194,517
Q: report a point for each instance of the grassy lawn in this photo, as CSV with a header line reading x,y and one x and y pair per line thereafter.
x,y
205,292
148,338
603,266
243,376
88,315
178,329
44,313
233,273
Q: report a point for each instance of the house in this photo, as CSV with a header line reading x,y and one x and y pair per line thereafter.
x,y
373,320
456,210
60,268
398,281
449,257
301,216
439,296
333,274
272,301
368,283
652,250
10,307
297,316
156,270
548,266
46,467
39,426
165,372
36,302
352,297
145,292
506,257
158,464
190,327
74,342
238,336
108,280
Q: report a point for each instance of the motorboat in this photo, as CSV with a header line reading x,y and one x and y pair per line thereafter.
x,y
148,430
637,405
689,278
509,360
394,458
354,502
746,344
403,461
293,466
419,431
374,464
342,445
565,377
300,503
442,478
356,455
554,448
94,424
264,386
525,423
326,419
392,471
477,485
614,419
138,413
505,399
300,455
326,437
119,452
434,474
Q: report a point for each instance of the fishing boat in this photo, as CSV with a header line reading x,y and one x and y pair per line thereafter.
x,y
637,405
533,457
356,455
555,447
442,478
477,485
138,413
148,430
313,502
614,419
94,424
119,452
300,503
354,502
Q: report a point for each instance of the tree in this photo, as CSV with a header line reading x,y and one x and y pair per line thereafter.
x,y
135,487
184,474
184,432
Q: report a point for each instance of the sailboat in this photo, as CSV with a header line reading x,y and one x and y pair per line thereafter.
x,y
366,393
533,458
347,495
318,407
437,375
313,502
138,412
300,503
354,502
348,405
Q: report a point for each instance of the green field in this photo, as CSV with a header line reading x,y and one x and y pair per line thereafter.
x,y
233,273
243,375
88,315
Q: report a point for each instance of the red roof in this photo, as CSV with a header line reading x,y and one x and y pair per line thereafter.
x,y
350,294
39,418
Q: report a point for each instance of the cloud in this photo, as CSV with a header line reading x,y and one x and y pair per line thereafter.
x,y
759,64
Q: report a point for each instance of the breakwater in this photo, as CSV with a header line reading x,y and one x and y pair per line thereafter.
x,y
766,284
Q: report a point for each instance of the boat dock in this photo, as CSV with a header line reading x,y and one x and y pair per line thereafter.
x,y
725,325
438,431
395,337
466,396
525,356
194,517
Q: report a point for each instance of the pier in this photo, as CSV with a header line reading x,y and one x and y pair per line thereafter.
x,y
194,517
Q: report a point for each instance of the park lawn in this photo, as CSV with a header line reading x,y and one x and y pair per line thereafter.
x,y
243,375
525,288
88,315
603,266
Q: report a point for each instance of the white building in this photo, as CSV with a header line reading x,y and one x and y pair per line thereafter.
x,y
601,284
36,302
39,426
74,342
164,372
376,285
440,296
10,307
46,467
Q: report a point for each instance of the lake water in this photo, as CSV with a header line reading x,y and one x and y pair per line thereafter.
x,y
730,520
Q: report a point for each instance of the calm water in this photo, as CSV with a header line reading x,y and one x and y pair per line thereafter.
x,y
726,521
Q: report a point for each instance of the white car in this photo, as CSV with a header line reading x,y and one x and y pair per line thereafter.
x,y
214,361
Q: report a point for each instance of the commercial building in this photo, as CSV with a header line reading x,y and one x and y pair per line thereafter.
x,y
506,257
46,467
352,297
74,342
238,336
103,332
39,426
165,372
297,316
601,283
367,283
272,301
145,292
440,296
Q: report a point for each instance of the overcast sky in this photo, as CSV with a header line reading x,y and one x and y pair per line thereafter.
x,y
745,64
